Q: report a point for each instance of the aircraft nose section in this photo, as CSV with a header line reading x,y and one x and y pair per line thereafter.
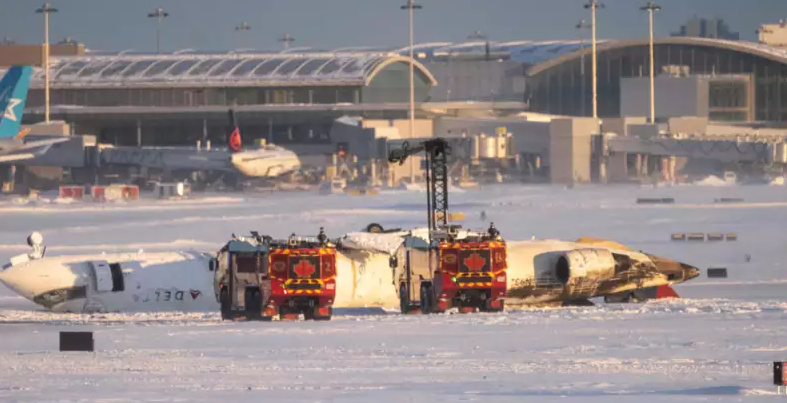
x,y
689,272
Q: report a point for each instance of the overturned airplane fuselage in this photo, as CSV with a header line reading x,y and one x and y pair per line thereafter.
x,y
540,273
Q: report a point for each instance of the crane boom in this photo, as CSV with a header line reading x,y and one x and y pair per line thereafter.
x,y
436,151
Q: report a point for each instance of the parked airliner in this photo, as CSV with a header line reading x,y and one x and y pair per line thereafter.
x,y
16,145
268,161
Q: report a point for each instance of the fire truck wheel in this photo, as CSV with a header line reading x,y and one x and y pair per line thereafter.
x,y
252,304
404,300
226,308
426,298
374,228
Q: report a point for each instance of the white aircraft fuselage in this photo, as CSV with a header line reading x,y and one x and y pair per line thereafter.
x,y
172,281
266,162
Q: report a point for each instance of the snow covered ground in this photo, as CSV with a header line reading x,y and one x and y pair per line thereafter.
x,y
715,344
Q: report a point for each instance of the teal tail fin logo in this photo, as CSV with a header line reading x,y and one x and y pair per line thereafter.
x,y
13,94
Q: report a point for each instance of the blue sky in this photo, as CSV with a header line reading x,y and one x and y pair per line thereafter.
x,y
209,24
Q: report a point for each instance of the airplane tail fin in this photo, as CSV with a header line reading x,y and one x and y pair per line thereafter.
x,y
13,95
665,291
235,143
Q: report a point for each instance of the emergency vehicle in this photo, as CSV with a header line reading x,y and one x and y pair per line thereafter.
x,y
261,278
444,266
461,269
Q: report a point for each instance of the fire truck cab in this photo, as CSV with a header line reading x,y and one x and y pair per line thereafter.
x,y
302,278
461,269
241,278
261,278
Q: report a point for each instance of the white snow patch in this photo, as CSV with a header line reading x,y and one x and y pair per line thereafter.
x,y
716,348
383,243
711,180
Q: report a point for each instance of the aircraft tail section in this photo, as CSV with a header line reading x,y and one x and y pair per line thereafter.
x,y
13,94
234,141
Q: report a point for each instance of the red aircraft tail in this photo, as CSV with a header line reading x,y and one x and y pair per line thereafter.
x,y
234,140
665,291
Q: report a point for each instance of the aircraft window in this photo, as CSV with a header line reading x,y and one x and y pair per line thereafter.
x,y
54,297
117,277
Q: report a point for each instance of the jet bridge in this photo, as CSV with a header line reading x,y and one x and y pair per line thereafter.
x,y
732,150
83,152
187,158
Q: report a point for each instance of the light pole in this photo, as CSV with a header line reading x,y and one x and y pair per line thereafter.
x,y
46,9
582,25
651,7
593,5
410,7
243,28
287,40
159,14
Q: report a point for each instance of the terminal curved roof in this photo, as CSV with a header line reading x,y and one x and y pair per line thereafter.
x,y
343,66
528,52
268,69
775,54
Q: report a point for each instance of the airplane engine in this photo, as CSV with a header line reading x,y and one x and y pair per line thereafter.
x,y
596,264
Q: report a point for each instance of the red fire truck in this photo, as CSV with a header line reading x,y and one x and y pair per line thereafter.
x,y
445,266
302,279
260,278
467,271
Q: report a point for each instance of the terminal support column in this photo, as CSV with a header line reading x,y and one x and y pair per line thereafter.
x,y
139,133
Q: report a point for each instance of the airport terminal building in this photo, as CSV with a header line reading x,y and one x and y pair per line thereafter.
x,y
294,96
167,99
749,80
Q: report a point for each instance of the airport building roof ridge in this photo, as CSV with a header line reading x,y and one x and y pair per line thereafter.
x,y
341,66
294,68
